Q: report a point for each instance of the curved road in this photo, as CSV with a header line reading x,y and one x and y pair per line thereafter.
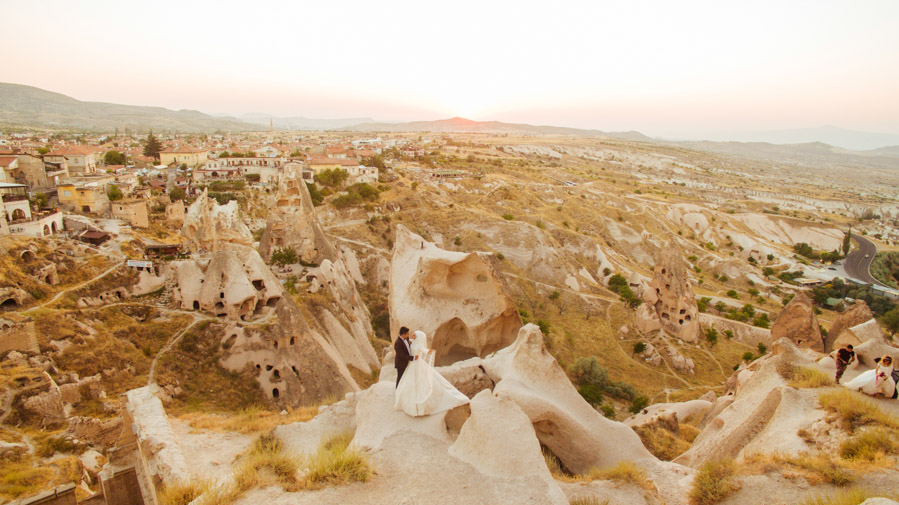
x,y
858,263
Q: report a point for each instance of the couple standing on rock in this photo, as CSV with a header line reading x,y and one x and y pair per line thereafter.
x,y
420,389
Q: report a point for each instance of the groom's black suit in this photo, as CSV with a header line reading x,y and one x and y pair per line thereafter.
x,y
402,357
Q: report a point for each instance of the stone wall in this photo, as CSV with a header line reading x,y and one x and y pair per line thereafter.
x,y
18,337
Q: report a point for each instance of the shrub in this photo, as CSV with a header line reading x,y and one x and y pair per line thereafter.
x,y
639,347
508,217
591,393
748,356
729,333
332,177
608,411
733,294
335,463
763,349
51,445
711,336
624,471
637,404
544,326
713,482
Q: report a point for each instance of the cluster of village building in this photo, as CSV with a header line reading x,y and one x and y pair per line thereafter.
x,y
72,173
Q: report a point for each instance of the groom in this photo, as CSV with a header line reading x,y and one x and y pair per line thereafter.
x,y
403,353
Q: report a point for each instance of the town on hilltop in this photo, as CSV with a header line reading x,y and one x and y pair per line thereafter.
x,y
213,318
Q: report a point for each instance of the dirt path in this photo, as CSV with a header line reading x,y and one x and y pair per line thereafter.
x,y
79,286
172,341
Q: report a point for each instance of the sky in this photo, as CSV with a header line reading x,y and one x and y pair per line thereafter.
x,y
675,69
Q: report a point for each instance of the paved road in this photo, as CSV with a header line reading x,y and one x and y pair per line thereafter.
x,y
858,263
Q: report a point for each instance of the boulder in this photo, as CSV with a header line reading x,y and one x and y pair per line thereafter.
x,y
574,431
797,322
669,303
456,298
508,448
858,334
377,420
94,431
855,315
335,419
682,411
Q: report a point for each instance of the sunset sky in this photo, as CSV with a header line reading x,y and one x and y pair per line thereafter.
x,y
679,69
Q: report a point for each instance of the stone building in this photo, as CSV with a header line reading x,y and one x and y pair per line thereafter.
x,y
134,211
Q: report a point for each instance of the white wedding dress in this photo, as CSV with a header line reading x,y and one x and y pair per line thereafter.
x,y
423,391
872,382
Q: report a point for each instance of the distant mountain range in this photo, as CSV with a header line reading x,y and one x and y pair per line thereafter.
x,y
26,106
22,105
302,123
462,125
839,137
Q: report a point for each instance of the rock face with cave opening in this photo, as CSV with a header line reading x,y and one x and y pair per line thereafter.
x,y
668,301
456,298
209,225
234,283
292,222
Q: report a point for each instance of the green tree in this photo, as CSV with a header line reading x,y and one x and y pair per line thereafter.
x,y
152,146
711,336
374,161
114,158
114,193
847,241
177,193
891,321
639,347
332,177
284,256
317,197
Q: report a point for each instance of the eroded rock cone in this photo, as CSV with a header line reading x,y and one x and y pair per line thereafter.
x,y
797,323
669,303
855,315
207,224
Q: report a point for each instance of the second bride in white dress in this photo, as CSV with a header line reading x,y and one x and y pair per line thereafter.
x,y
423,391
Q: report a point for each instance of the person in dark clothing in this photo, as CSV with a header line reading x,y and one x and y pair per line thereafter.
x,y
403,353
843,358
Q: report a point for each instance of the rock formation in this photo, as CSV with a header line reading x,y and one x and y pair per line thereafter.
x,y
292,223
797,323
303,357
209,225
575,432
855,315
456,298
668,300
235,283
762,413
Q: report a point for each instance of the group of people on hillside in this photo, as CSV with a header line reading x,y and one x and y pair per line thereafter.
x,y
882,380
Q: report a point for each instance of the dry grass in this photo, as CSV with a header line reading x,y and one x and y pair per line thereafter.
x,y
336,463
588,500
22,478
810,377
713,482
664,444
852,496
183,493
249,420
554,465
815,468
871,445
854,409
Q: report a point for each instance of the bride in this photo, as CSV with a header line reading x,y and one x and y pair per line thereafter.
x,y
423,391
877,381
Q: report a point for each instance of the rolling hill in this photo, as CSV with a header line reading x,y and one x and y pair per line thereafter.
x,y
22,105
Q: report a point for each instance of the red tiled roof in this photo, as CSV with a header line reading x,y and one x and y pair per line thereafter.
x,y
185,149
72,151
7,161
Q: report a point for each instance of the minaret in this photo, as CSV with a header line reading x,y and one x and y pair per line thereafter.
x,y
271,125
